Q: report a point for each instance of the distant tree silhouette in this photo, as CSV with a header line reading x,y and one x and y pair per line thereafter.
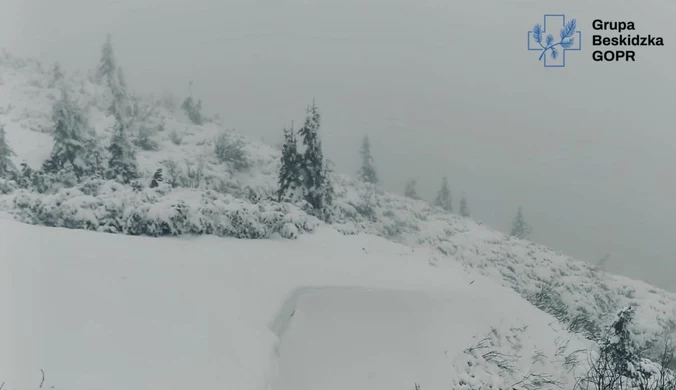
x,y
464,208
444,196
520,228
410,190
367,171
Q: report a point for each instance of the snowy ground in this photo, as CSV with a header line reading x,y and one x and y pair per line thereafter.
x,y
100,311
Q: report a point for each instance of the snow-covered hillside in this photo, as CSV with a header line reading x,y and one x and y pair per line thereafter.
x,y
100,311
209,196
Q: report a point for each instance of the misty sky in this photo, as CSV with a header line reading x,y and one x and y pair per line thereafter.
x,y
441,87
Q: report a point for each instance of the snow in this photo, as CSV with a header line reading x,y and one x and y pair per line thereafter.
x,y
101,311
457,246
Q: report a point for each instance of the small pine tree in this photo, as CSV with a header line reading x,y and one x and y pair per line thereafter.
x,y
618,345
7,167
410,190
26,176
57,75
157,178
464,208
520,229
290,180
367,172
315,183
444,196
193,111
94,155
327,192
122,163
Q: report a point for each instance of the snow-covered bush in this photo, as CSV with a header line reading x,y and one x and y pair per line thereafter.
x,y
145,140
498,360
7,186
230,149
193,110
617,364
175,138
110,207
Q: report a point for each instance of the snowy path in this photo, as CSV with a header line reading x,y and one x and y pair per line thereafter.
x,y
370,339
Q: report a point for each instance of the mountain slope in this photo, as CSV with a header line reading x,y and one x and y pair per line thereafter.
x,y
112,311
227,201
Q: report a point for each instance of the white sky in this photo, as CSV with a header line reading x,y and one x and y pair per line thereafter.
x,y
441,87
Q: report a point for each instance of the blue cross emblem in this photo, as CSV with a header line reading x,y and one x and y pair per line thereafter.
x,y
553,44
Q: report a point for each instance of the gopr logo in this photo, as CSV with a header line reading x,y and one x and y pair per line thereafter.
x,y
553,49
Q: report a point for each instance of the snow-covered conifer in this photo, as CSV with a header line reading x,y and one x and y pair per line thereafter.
x,y
520,228
367,171
444,196
290,181
107,70
410,190
113,77
70,133
157,178
57,76
315,183
120,77
464,208
7,167
193,110
122,163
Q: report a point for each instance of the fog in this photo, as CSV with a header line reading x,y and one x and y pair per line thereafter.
x,y
441,88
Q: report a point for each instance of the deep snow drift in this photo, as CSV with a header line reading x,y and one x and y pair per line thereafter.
x,y
100,311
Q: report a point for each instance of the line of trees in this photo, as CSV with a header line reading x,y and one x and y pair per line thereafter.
x,y
367,174
76,152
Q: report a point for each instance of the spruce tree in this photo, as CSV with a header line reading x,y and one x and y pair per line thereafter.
x,y
122,163
112,75
367,172
7,167
464,208
444,196
327,192
520,229
70,133
120,77
410,190
107,70
289,172
315,185
617,348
